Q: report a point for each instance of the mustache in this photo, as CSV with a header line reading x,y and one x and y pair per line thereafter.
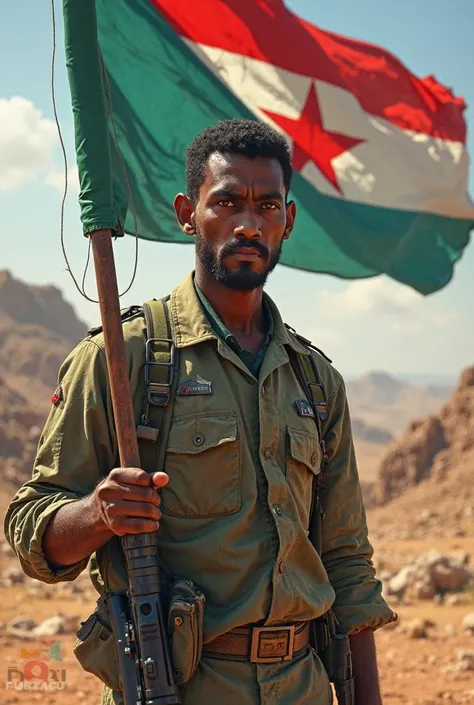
x,y
230,247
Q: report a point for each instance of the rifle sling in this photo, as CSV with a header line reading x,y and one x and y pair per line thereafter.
x,y
307,374
161,377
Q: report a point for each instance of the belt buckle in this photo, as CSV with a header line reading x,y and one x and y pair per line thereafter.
x,y
272,644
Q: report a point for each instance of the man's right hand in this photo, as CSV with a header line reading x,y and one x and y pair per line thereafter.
x,y
128,502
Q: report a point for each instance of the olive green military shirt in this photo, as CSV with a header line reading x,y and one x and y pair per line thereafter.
x,y
241,461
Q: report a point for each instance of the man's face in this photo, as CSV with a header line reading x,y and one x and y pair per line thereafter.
x,y
241,220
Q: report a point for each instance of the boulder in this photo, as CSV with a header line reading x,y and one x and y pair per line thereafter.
x,y
21,627
450,577
465,661
468,622
58,624
422,590
399,583
417,628
13,576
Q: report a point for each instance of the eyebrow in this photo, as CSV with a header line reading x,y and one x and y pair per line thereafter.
x,y
233,195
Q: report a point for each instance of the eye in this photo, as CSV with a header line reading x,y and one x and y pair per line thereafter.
x,y
270,206
225,203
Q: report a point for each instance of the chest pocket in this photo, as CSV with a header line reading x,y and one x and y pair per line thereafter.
x,y
203,461
303,463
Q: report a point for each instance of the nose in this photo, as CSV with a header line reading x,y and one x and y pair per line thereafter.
x,y
248,227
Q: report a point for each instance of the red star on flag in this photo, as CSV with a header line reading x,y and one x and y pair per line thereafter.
x,y
311,141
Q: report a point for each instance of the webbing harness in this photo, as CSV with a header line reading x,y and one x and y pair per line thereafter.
x,y
161,375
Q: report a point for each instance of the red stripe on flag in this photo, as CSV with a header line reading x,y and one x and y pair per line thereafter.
x,y
266,30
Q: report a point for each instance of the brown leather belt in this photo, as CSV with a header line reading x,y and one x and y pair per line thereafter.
x,y
260,644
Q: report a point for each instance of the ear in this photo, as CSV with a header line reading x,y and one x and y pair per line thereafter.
x,y
184,209
290,219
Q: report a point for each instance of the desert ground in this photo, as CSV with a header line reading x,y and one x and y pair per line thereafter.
x,y
414,671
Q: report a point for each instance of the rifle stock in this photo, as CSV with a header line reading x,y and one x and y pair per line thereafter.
x,y
334,650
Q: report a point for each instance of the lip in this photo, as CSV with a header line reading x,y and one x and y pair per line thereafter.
x,y
246,255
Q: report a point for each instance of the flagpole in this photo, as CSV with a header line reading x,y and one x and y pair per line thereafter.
x,y
125,427
141,642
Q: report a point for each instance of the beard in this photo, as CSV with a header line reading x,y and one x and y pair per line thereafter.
x,y
244,279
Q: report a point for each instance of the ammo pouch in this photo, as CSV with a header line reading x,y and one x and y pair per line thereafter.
x,y
95,645
185,629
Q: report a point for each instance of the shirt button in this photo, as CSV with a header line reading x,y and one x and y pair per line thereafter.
x,y
278,510
313,459
198,439
267,452
282,567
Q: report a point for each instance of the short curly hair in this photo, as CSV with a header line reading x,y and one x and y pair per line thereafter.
x,y
248,137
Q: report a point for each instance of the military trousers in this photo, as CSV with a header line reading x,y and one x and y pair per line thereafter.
x,y
302,681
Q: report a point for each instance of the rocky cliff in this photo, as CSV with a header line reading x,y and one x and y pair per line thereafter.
x,y
424,483
37,331
42,306
430,446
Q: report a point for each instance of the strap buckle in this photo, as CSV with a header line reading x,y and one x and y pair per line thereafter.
x,y
319,400
272,644
158,393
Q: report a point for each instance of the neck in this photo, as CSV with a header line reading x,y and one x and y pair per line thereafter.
x,y
240,311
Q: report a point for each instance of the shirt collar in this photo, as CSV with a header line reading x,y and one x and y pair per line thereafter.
x,y
221,329
192,326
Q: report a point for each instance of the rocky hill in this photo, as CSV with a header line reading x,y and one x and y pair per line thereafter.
x,y
426,475
381,406
20,428
383,401
37,331
43,306
371,434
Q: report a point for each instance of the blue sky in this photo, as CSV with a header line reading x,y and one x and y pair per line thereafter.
x,y
376,324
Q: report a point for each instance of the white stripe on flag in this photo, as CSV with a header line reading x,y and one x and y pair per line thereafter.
x,y
391,168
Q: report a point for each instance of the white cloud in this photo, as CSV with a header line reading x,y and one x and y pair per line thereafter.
x,y
27,140
432,316
55,179
398,309
379,295
324,337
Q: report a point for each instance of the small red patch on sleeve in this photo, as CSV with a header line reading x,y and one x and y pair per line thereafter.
x,y
58,395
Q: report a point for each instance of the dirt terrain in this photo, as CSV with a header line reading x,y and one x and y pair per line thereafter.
x,y
421,519
413,671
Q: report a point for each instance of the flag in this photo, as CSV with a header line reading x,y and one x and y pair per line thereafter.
x,y
379,155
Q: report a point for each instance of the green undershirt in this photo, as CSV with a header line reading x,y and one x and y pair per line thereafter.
x,y
251,361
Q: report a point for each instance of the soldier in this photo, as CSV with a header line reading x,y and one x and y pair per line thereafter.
x,y
234,499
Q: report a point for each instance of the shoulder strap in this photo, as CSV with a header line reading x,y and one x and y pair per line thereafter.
x,y
306,371
126,314
161,374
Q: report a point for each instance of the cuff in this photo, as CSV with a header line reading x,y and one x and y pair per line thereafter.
x,y
30,550
355,618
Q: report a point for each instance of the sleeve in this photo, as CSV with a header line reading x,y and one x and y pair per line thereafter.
x,y
77,448
346,551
